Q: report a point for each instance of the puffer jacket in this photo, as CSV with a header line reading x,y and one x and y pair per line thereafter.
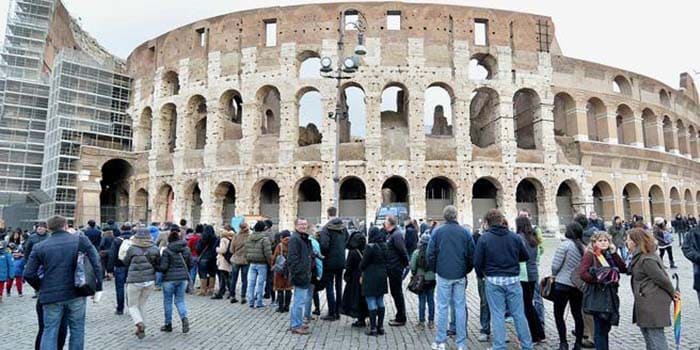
x,y
141,261
7,269
175,263
224,245
238,247
566,262
332,239
258,249
299,260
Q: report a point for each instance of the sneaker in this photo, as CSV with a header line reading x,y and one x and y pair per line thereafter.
x,y
316,312
119,312
431,324
451,333
167,328
185,325
234,300
483,338
436,346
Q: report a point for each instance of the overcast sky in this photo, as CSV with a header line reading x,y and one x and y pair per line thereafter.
x,y
657,39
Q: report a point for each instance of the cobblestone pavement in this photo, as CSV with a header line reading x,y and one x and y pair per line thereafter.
x,y
217,324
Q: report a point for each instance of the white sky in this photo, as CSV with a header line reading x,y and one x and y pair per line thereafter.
x,y
657,39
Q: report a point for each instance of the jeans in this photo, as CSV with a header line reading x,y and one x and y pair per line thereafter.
x,y
62,329
484,312
602,329
136,298
396,288
224,283
74,312
451,291
533,322
563,295
539,304
176,290
374,302
427,297
334,297
119,281
510,298
299,302
654,338
309,297
194,269
257,275
159,279
243,269
668,249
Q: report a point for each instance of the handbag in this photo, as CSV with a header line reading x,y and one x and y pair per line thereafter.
x,y
417,283
547,288
85,281
190,284
601,300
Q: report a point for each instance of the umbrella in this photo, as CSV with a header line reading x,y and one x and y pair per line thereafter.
x,y
677,315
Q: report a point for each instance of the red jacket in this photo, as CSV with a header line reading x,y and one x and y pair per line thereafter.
x,y
192,244
589,260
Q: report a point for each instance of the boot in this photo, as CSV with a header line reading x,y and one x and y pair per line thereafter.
x,y
203,288
372,331
563,346
280,304
287,300
380,320
212,283
185,325
168,327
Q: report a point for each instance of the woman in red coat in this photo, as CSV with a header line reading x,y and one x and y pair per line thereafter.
x,y
281,283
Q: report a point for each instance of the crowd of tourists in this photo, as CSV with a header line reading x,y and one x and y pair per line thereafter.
x,y
357,269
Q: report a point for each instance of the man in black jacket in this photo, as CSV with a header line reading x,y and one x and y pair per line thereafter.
x,y
691,250
299,260
397,261
117,267
93,234
36,237
333,238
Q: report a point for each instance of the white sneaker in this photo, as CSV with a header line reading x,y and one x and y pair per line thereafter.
x,y
436,346
483,338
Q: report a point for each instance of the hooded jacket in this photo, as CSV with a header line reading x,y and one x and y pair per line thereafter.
x,y
374,264
505,251
333,239
175,262
6,263
258,249
451,251
141,260
238,247
224,245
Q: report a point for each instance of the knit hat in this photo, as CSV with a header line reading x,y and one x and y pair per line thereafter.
x,y
424,239
658,221
259,226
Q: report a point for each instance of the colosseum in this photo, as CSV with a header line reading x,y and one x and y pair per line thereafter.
x,y
451,105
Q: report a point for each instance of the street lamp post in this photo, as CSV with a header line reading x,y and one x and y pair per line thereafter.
x,y
345,68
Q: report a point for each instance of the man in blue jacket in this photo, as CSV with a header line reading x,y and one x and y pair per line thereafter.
x,y
497,259
57,257
450,255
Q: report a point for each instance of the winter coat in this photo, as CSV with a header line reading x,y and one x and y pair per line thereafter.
x,y
192,243
411,239
332,239
94,235
175,263
499,253
141,260
353,303
258,250
565,263
396,253
224,245
660,236
587,271
33,239
106,243
418,269
280,281
113,255
653,291
691,250
299,260
451,251
619,235
238,247
374,266
7,265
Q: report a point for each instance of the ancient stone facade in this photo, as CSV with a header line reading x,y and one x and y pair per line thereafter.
x,y
216,110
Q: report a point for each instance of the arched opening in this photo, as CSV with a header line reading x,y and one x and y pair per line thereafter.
x,y
621,85
394,106
310,115
596,116
689,203
603,200
486,195
676,204
565,202
231,104
196,121
225,195
437,111
668,134
170,85
664,99
483,114
270,200
310,66
201,133
141,210
439,193
682,138
168,117
164,204
353,128
114,196
657,203
395,192
631,201
482,66
145,126
195,203
649,124
527,197
269,99
526,111
309,201
353,199
564,115
626,134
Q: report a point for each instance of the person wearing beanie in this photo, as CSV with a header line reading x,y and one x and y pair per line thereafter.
x,y
420,267
240,263
259,256
141,261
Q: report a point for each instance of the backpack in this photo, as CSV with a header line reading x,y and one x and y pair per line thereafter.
x,y
123,248
228,254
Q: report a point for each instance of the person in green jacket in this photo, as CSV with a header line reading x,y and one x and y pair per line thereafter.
x,y
419,266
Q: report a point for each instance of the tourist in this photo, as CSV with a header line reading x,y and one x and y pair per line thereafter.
x,y
420,267
206,246
354,304
300,262
93,233
192,243
50,270
600,255
619,236
141,262
596,222
484,313
423,226
565,265
175,262
270,234
316,278
333,238
7,267
117,268
680,226
497,258
397,261
589,228
259,256
282,285
374,266
664,239
15,247
240,264
105,246
529,276
410,235
691,250
223,265
537,297
39,235
651,288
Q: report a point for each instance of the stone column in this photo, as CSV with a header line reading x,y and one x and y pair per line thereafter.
x,y
549,220
607,123
373,141
683,143
417,199
632,129
694,146
208,214
655,134
416,122
580,122
460,129
182,206
505,130
251,130
215,134
288,205
544,133
671,138
289,131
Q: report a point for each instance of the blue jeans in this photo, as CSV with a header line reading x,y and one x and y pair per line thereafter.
x,y
176,290
602,330
119,281
235,268
427,297
257,274
451,291
299,302
539,303
74,311
484,313
309,297
194,269
510,298
159,279
374,302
